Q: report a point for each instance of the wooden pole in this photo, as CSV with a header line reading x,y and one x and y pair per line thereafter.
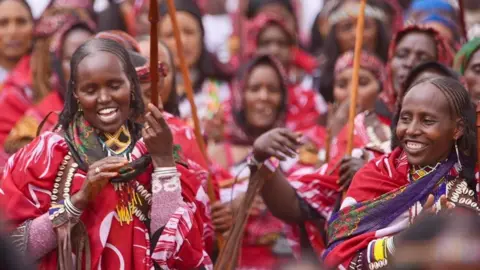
x,y
463,25
478,133
153,18
189,91
356,68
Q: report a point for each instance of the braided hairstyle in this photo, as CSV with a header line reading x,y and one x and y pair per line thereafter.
x,y
461,106
103,45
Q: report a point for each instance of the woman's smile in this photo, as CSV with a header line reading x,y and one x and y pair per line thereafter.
x,y
108,115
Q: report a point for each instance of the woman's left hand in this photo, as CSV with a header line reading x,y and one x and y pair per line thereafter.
x,y
158,138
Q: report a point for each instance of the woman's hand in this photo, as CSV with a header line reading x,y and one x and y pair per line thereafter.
x,y
222,217
280,143
214,127
98,175
348,167
429,207
158,138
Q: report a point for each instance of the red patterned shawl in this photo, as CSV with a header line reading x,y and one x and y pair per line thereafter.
x,y
25,194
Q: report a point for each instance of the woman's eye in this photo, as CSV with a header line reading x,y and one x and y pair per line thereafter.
x,y
363,81
115,85
429,122
401,53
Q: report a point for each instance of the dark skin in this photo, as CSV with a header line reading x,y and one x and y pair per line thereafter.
x,y
472,76
426,129
275,41
279,143
413,49
102,83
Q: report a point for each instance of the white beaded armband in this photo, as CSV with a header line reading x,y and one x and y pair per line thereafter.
x,y
167,179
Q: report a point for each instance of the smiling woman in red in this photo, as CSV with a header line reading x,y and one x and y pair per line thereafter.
x,y
431,165
103,180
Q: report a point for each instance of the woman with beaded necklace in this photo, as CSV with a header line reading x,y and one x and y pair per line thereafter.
x,y
101,186
431,166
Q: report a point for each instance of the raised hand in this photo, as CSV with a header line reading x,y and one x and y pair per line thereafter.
x,y
158,138
280,143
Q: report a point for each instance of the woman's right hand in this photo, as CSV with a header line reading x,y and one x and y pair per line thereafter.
x,y
279,143
222,216
98,175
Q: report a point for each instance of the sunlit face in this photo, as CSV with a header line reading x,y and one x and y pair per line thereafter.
x,y
368,87
275,41
262,97
472,76
414,48
103,91
190,33
72,41
426,129
16,29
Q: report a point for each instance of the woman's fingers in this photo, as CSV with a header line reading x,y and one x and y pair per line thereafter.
x,y
279,147
429,203
294,137
158,116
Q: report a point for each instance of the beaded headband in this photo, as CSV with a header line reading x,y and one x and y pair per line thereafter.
x,y
353,10
143,72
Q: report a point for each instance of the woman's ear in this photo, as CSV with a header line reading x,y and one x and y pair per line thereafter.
x,y
459,129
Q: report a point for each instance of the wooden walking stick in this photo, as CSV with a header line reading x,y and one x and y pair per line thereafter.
x,y
356,68
463,25
153,18
478,133
189,91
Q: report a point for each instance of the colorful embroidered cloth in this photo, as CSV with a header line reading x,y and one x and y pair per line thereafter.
x,y
25,194
379,194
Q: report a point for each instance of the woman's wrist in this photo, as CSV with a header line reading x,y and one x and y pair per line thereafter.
x,y
163,161
79,200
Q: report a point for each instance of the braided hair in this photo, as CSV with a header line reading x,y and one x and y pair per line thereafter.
x,y
103,45
460,105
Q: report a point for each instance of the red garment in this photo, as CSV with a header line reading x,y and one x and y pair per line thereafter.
x,y
320,192
304,108
25,195
338,147
16,97
378,177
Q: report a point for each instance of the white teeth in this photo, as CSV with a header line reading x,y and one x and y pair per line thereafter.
x,y
414,145
107,111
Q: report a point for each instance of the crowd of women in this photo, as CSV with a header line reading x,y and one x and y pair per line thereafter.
x,y
93,175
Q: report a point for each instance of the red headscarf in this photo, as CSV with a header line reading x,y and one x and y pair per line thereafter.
x,y
258,24
444,52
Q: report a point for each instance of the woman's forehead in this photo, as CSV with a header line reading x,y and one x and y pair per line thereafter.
x,y
100,61
426,97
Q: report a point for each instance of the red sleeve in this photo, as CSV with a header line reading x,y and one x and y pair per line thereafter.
x,y
29,177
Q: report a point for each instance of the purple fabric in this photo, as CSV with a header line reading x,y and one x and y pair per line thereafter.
x,y
41,237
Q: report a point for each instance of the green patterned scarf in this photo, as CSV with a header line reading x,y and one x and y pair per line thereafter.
x,y
86,147
464,55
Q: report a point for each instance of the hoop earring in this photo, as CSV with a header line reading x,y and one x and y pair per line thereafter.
x,y
458,155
